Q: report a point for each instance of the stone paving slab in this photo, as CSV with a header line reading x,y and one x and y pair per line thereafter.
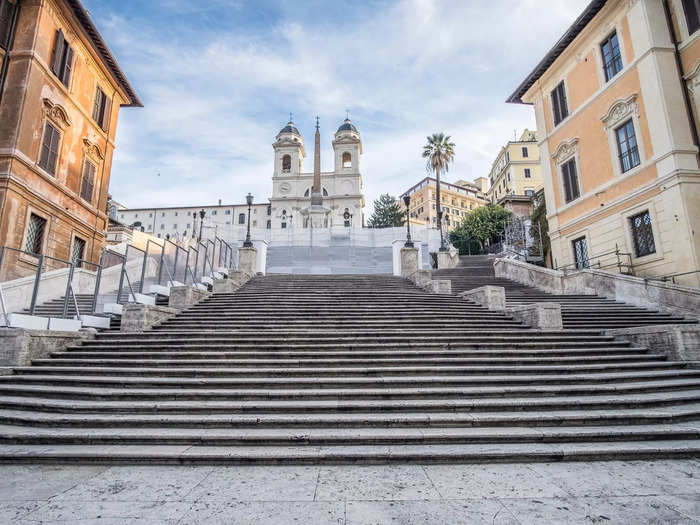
x,y
634,492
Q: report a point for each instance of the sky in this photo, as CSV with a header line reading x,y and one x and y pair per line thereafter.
x,y
219,78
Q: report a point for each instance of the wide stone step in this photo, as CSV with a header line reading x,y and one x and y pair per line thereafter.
x,y
295,436
77,376
118,400
452,366
245,358
580,419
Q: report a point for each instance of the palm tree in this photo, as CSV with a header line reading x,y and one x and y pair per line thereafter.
x,y
440,152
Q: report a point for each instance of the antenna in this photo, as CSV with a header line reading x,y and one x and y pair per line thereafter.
x,y
347,114
291,117
316,121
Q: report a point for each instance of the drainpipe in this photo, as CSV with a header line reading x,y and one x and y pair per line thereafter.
x,y
681,75
10,41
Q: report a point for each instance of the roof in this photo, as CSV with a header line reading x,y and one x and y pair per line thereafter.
x,y
290,128
103,51
579,24
204,206
347,126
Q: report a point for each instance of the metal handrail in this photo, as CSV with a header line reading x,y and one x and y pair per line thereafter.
x,y
586,263
672,276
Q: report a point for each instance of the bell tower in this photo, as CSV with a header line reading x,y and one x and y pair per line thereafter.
x,y
347,148
289,151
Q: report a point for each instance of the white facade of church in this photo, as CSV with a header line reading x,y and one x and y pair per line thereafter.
x,y
341,188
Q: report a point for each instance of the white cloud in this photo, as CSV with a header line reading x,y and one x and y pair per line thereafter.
x,y
407,69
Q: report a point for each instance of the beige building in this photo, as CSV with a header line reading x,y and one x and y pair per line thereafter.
x,y
616,103
456,200
60,94
516,170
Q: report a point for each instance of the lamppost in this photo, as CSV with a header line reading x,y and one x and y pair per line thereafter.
x,y
194,224
248,243
202,213
407,202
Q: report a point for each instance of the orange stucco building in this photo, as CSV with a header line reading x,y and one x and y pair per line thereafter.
x,y
616,105
61,90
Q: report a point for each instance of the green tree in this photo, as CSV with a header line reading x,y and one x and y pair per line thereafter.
x,y
482,224
540,224
387,213
439,152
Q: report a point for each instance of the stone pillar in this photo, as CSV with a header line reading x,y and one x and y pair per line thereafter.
x,y
247,260
543,316
492,297
141,317
409,261
182,297
235,280
448,259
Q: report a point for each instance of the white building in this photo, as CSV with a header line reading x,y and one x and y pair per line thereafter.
x,y
341,188
181,222
291,193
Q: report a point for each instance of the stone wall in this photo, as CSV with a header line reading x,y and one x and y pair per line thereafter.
x,y
140,317
679,342
667,297
19,347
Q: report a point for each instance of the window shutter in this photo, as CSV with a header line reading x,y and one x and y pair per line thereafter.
x,y
67,66
96,105
57,53
567,182
53,153
105,113
45,149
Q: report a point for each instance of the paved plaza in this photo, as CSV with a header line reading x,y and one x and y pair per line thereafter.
x,y
598,492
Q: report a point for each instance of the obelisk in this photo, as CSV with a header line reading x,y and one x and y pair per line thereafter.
x,y
316,195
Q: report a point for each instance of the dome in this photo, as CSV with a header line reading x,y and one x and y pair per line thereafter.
x,y
347,126
290,128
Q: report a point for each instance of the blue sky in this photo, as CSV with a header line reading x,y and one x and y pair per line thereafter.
x,y
219,78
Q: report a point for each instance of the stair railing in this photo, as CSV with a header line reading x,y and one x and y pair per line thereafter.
x,y
596,261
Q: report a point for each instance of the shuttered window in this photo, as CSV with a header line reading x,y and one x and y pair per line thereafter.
x,y
62,59
692,15
560,107
7,12
88,185
570,179
49,149
101,109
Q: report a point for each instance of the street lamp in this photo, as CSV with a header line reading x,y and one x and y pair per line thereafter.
x,y
248,243
194,224
407,202
202,213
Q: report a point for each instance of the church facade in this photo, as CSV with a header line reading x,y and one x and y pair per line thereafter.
x,y
341,189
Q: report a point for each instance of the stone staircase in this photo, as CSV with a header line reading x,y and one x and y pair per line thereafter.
x,y
578,311
344,369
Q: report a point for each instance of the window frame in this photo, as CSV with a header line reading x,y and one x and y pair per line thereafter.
x,y
101,109
524,152
62,66
608,40
625,127
44,234
585,263
527,173
565,169
75,239
557,107
684,6
53,171
634,234
91,184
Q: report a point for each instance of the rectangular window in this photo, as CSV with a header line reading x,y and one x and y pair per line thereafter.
x,y
35,234
49,148
101,109
228,212
527,173
62,59
213,212
692,15
525,153
560,108
88,185
7,12
580,252
78,251
642,234
269,225
571,189
627,146
612,59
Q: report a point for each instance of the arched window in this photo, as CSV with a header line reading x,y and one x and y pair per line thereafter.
x,y
286,164
325,192
306,193
241,218
347,160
